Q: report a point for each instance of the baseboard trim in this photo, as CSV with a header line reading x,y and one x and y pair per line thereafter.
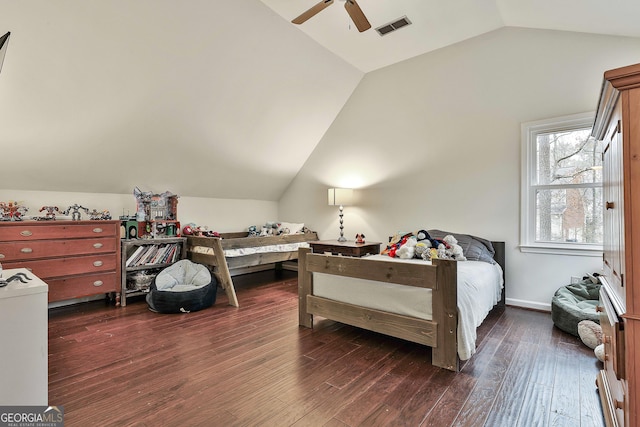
x,y
528,304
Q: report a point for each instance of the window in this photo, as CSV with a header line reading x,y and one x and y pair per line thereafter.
x,y
561,187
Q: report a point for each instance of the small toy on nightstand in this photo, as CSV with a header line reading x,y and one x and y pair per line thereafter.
x,y
360,238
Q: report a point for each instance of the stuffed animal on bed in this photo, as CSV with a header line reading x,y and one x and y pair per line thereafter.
x,y
269,229
407,250
424,237
266,231
422,250
450,249
396,241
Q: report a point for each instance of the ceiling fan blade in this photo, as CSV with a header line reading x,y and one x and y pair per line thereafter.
x,y
358,18
4,40
319,7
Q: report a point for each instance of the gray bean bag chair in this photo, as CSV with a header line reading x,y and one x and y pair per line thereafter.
x,y
182,287
573,303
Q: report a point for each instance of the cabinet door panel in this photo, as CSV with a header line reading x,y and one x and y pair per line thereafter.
x,y
613,191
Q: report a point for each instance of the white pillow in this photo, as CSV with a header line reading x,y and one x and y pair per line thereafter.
x,y
290,228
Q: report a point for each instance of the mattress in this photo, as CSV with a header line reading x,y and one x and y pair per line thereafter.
x,y
479,289
231,253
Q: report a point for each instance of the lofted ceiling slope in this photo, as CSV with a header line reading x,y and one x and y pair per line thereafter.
x,y
213,98
218,99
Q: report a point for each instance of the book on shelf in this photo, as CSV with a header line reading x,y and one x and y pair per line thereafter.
x,y
134,256
172,255
153,249
154,255
159,256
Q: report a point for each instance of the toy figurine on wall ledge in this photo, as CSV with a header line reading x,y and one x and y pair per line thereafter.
x,y
360,238
154,207
50,212
75,211
12,211
94,215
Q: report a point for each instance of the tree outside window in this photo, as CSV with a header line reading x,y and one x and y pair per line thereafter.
x,y
562,184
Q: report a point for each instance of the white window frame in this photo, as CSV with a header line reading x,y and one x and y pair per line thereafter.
x,y
529,132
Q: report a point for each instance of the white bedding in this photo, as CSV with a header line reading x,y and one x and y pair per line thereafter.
x,y
479,289
230,253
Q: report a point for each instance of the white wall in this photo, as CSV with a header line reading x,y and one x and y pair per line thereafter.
x,y
434,142
221,215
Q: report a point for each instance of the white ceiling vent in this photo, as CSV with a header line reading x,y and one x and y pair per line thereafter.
x,y
392,26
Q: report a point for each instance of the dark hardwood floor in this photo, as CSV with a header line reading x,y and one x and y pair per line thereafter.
x,y
254,366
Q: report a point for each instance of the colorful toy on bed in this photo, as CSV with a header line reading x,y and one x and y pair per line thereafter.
x,y
396,241
269,229
253,231
408,249
421,245
192,229
450,249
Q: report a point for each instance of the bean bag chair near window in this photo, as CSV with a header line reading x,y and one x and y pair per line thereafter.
x,y
574,303
182,287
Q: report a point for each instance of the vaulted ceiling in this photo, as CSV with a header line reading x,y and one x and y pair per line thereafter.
x,y
436,24
212,98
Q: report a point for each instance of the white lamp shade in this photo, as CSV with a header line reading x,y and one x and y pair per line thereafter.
x,y
340,196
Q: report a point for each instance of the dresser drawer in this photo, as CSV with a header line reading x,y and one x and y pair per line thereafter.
x,y
61,267
82,286
55,248
40,231
611,379
613,337
9,251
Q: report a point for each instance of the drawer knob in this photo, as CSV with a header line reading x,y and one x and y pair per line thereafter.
x,y
26,233
97,263
97,230
26,250
97,245
97,283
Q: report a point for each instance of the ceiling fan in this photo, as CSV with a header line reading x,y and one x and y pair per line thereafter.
x,y
354,11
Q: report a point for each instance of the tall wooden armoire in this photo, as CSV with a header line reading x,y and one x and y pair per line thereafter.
x,y
617,124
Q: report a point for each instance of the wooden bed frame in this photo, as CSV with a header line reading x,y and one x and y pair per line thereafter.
x,y
441,277
223,268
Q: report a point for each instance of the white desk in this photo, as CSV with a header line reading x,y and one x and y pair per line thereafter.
x,y
23,341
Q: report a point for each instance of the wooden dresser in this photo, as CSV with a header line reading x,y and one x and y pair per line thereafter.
x,y
617,124
75,258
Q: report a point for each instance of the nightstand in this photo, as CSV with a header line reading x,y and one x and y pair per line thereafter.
x,y
348,248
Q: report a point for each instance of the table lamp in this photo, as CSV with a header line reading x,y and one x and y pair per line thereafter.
x,y
341,197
